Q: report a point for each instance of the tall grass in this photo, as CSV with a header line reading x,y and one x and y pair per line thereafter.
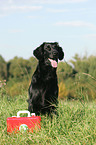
x,y
75,124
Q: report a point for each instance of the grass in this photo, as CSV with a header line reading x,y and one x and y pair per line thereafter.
x,y
75,124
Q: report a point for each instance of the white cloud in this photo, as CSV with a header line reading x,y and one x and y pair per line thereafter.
x,y
7,9
9,6
2,15
16,31
21,8
10,1
55,1
81,10
76,1
76,24
93,36
58,10
39,1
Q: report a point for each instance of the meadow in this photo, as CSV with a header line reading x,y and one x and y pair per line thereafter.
x,y
74,125
76,120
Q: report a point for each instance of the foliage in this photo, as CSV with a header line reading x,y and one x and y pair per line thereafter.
x,y
2,88
86,85
63,93
3,68
78,75
20,67
65,71
85,81
17,88
75,123
92,66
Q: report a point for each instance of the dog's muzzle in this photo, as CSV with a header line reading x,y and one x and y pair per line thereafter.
x,y
53,63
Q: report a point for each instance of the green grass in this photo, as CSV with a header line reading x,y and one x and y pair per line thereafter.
x,y
75,124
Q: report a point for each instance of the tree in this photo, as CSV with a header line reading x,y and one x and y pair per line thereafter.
x,y
3,68
92,66
86,77
65,71
19,67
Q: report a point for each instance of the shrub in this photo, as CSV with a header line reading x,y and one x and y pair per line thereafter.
x,y
18,88
62,91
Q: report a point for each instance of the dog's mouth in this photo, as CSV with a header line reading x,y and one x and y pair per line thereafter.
x,y
53,63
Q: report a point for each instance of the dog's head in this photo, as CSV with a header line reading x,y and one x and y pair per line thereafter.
x,y
49,53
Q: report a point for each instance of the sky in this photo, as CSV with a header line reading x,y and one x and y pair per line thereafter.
x,y
26,24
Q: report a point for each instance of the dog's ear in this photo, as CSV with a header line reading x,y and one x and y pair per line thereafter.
x,y
39,52
61,53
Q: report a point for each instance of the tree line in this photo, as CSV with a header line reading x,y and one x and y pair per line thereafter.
x,y
77,78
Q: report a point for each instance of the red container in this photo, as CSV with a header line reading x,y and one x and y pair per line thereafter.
x,y
22,124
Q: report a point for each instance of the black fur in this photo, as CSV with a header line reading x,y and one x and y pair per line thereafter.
x,y
43,90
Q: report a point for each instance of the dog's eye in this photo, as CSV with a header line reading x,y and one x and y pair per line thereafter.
x,y
48,48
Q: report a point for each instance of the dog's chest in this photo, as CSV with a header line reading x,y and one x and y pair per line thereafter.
x,y
49,89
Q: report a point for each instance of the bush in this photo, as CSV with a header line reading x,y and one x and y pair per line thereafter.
x,y
18,88
62,91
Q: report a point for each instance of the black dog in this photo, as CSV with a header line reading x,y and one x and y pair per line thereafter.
x,y
43,90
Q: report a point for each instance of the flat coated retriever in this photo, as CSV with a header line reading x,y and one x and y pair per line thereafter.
x,y
43,90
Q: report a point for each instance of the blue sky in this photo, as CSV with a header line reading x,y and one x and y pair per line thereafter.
x,y
25,24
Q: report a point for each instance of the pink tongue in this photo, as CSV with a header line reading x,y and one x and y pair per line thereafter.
x,y
53,63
